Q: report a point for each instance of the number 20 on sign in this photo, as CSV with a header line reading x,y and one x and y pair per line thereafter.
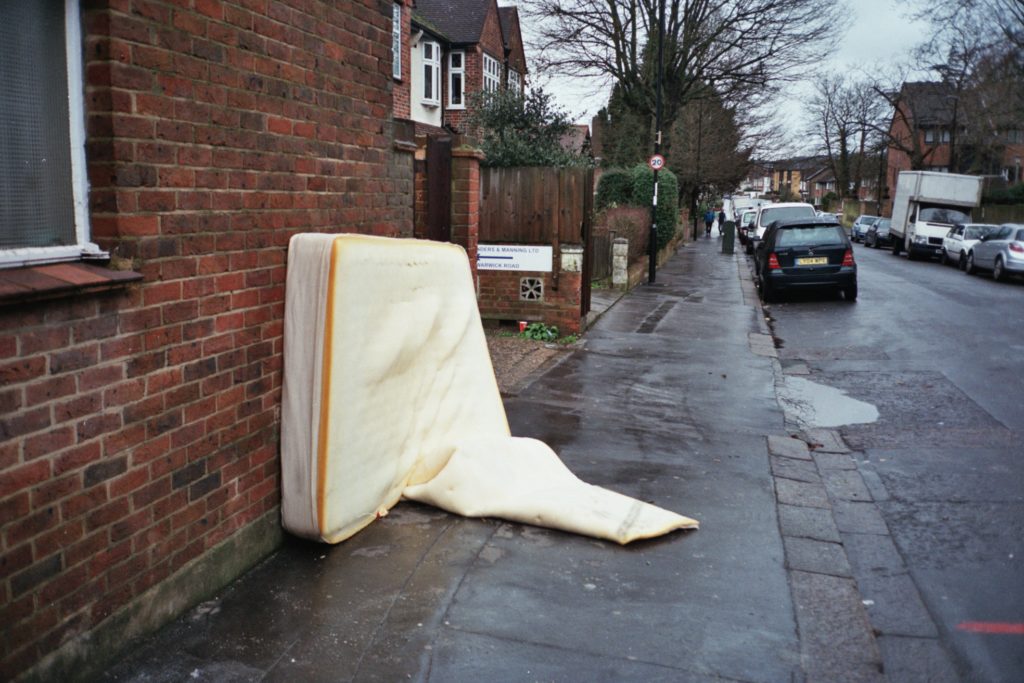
x,y
657,162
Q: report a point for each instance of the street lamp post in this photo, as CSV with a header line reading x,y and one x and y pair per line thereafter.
x,y
652,247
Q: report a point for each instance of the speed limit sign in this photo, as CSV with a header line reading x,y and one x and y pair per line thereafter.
x,y
657,162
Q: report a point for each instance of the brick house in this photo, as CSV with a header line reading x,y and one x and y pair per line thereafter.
x,y
927,132
450,50
146,203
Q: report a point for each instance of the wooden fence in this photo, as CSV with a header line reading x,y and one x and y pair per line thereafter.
x,y
1000,213
535,205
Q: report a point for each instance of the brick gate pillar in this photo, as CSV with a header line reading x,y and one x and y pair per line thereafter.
x,y
466,200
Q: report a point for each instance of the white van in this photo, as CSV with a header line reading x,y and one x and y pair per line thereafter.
x,y
769,213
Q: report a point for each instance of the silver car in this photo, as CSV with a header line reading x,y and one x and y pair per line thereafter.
x,y
961,238
1001,251
860,227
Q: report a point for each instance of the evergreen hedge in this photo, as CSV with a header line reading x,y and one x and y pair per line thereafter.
x,y
614,188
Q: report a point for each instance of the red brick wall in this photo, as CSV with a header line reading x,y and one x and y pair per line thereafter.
x,y
499,299
140,428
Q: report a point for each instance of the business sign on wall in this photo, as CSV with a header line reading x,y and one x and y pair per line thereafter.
x,y
524,257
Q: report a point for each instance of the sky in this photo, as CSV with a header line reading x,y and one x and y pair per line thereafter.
x,y
879,34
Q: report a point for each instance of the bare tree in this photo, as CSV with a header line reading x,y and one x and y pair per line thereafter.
x,y
741,48
845,117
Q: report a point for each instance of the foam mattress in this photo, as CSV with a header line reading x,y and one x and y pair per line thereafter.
x,y
389,391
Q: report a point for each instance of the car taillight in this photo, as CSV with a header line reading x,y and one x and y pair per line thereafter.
x,y
848,258
1016,247
773,262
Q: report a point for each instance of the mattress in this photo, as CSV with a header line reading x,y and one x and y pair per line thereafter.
x,y
389,391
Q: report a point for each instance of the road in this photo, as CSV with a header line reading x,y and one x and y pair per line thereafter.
x,y
940,354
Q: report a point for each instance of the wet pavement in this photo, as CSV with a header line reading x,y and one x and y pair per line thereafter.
x,y
670,399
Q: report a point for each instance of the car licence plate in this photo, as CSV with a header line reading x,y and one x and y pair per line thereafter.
x,y
812,261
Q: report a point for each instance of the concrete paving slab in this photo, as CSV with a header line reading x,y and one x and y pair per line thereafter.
x,y
836,640
858,518
834,461
873,555
826,441
874,483
805,522
845,485
820,557
788,447
791,492
798,470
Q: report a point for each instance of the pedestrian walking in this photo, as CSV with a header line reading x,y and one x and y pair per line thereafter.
x,y
709,218
721,221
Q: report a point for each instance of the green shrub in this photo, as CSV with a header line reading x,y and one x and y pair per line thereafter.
x,y
668,198
614,188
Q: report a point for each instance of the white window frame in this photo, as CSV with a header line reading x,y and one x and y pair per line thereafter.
x,y
492,73
396,42
929,136
83,248
434,79
515,81
453,72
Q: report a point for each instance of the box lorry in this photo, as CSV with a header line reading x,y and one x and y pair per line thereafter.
x,y
926,206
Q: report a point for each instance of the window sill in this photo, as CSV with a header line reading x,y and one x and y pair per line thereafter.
x,y
35,283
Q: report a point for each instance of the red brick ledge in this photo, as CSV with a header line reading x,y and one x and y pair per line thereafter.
x,y
33,283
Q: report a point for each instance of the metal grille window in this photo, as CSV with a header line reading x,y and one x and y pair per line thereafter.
x,y
431,73
492,73
396,41
43,188
456,79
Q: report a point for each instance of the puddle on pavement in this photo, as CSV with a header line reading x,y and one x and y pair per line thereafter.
x,y
817,405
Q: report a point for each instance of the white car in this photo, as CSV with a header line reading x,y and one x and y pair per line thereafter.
x,y
769,213
961,238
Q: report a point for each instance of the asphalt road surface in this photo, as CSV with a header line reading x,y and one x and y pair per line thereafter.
x,y
940,354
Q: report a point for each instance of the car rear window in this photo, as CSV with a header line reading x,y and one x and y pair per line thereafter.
x,y
785,213
883,225
811,236
1020,235
975,232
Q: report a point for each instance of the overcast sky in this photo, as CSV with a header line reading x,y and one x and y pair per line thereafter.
x,y
879,34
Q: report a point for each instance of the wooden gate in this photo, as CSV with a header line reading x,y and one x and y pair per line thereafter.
x,y
539,205
439,189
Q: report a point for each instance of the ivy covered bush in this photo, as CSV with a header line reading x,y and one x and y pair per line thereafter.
x,y
668,198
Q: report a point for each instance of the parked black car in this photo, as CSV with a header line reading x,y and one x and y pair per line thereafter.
x,y
805,254
878,234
